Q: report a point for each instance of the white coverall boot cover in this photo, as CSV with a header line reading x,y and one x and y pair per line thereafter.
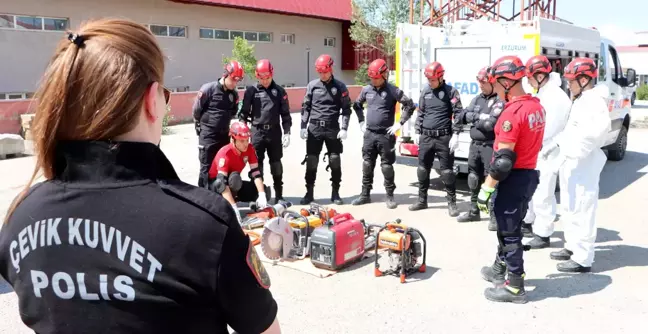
x,y
542,207
582,161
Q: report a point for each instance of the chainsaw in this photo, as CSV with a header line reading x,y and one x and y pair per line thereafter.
x,y
259,216
405,247
288,236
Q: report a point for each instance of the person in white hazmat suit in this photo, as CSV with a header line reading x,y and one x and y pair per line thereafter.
x,y
580,161
556,103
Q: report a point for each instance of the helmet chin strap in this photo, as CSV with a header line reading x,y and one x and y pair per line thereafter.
x,y
581,86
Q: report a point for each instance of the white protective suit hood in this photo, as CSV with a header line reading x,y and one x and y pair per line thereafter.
x,y
556,104
589,124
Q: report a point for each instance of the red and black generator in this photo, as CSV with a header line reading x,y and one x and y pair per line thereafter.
x,y
339,242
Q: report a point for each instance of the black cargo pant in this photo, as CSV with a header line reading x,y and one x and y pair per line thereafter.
x,y
435,143
207,149
249,193
510,204
479,159
378,142
320,133
267,139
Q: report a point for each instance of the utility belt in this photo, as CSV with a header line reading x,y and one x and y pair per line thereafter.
x,y
483,142
435,133
264,126
325,124
378,131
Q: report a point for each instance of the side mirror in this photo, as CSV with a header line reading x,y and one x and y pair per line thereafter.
x,y
631,77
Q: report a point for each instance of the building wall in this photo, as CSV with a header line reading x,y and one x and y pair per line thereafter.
x,y
192,61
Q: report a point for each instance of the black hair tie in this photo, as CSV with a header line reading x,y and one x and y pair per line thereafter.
x,y
76,39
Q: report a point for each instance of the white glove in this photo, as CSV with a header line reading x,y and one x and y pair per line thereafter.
x,y
261,201
483,116
238,214
342,135
303,134
416,137
285,140
394,128
454,142
363,127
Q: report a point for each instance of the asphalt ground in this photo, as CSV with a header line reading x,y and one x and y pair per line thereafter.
x,y
448,297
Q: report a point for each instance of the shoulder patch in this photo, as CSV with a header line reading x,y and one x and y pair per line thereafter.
x,y
507,126
345,93
256,267
454,100
221,162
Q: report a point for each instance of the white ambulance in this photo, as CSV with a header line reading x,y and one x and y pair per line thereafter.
x,y
466,46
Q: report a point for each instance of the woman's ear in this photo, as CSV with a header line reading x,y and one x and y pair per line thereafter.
x,y
150,102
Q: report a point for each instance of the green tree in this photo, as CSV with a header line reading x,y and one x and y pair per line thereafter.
x,y
243,52
361,77
374,23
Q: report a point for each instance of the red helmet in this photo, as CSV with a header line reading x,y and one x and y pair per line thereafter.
x,y
377,68
434,70
482,75
235,70
507,67
581,66
264,69
324,64
239,130
537,64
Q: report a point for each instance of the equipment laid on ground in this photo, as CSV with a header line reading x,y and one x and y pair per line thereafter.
x,y
404,250
259,216
288,236
340,242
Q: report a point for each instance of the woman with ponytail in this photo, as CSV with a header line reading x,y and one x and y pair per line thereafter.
x,y
112,241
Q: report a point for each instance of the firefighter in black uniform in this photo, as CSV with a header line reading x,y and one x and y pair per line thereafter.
x,y
214,108
117,242
263,104
324,99
380,132
482,114
434,135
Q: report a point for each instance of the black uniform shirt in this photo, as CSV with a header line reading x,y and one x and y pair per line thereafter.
x,y
481,129
323,101
381,106
116,243
436,108
265,105
214,108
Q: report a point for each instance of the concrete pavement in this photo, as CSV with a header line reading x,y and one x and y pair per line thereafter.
x,y
448,298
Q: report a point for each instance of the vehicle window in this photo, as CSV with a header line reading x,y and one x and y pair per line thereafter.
x,y
613,65
602,65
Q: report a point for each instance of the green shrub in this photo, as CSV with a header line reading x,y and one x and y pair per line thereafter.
x,y
361,77
642,92
165,121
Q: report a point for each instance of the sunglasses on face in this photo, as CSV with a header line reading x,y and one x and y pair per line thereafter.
x,y
167,95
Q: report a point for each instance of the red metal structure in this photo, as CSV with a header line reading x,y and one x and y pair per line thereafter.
x,y
449,11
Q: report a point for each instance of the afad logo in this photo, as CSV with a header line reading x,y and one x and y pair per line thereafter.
x,y
467,88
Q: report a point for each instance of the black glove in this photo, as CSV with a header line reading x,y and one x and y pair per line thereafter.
x,y
197,127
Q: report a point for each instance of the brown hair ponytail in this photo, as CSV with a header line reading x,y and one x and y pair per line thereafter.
x,y
92,89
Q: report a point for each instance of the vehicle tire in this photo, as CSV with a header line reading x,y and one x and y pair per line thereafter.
x,y
617,151
633,98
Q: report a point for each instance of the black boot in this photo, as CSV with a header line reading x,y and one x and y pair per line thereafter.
x,y
492,223
572,267
472,215
561,255
512,291
420,205
278,193
364,198
495,273
452,206
527,230
335,196
539,242
308,198
390,202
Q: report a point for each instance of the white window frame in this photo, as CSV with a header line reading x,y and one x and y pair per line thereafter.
x,y
288,85
23,96
328,41
181,89
284,36
186,29
43,18
229,35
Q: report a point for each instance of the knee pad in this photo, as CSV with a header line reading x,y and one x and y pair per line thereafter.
x,y
311,162
447,176
219,184
335,161
388,171
422,173
367,167
276,168
235,181
473,181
